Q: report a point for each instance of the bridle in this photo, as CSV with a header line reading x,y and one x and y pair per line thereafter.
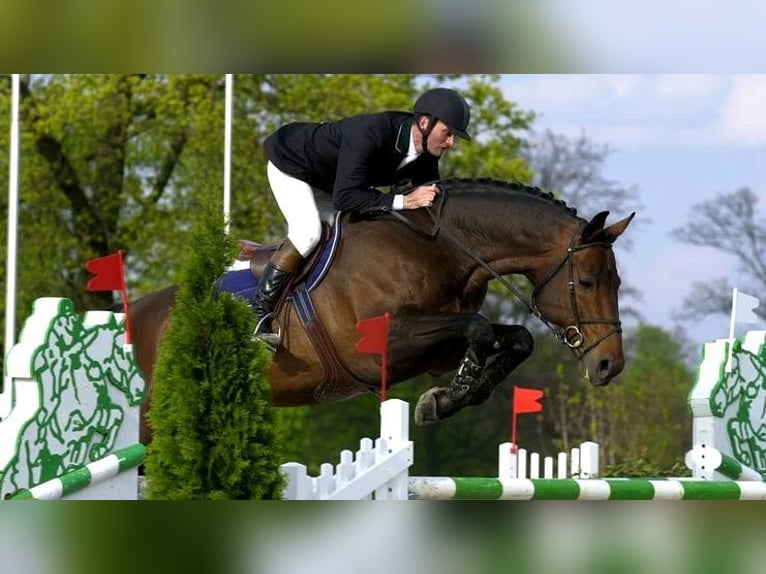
x,y
571,335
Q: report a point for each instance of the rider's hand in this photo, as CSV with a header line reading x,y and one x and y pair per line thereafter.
x,y
422,196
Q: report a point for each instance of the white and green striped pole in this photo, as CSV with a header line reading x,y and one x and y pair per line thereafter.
x,y
468,488
88,475
705,459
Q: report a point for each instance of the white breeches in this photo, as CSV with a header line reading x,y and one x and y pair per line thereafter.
x,y
296,201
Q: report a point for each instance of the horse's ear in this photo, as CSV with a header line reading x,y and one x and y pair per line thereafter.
x,y
594,231
594,228
615,230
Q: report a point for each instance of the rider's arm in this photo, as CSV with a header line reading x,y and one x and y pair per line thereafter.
x,y
351,193
355,157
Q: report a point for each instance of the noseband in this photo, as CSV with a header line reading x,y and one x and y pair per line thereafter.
x,y
572,335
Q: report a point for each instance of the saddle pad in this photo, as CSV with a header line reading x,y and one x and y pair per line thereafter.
x,y
242,284
239,283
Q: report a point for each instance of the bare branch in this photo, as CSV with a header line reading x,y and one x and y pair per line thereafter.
x,y
573,169
706,298
727,223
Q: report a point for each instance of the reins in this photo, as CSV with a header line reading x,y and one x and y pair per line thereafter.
x,y
571,335
435,217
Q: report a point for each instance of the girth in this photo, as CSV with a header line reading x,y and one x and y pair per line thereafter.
x,y
339,383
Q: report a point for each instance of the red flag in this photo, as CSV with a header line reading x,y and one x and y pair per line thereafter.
x,y
108,271
526,400
109,275
374,335
375,340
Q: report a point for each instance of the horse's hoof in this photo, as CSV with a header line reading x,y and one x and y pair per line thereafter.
x,y
426,411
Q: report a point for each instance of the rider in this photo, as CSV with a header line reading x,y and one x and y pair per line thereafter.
x,y
348,159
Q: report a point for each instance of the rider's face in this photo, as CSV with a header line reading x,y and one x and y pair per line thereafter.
x,y
440,139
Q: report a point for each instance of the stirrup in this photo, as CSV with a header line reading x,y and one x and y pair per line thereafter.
x,y
271,339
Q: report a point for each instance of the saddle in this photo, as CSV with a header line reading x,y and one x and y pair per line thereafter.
x,y
259,255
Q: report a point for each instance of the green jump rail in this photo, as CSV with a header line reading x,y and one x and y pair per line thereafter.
x,y
90,474
467,488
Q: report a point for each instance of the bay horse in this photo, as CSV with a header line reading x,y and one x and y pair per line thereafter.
x,y
429,269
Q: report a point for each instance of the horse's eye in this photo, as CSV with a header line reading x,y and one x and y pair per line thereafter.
x,y
587,283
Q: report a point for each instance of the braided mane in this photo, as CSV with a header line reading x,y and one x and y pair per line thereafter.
x,y
489,184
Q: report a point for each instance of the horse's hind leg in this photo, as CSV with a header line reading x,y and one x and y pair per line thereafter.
x,y
476,377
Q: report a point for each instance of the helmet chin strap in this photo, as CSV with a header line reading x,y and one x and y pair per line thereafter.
x,y
424,133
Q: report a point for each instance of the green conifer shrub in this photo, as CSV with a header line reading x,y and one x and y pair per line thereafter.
x,y
215,431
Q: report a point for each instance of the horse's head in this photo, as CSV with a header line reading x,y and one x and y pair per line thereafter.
x,y
578,296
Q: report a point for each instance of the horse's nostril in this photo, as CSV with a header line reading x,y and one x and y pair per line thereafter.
x,y
603,372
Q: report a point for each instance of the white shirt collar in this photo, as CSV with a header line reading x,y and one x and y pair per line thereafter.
x,y
412,153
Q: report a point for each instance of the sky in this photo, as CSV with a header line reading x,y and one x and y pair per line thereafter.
x,y
661,36
680,140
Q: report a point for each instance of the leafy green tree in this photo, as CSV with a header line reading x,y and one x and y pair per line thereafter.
x,y
116,161
110,162
214,430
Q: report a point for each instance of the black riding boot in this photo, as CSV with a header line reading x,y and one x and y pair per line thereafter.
x,y
275,277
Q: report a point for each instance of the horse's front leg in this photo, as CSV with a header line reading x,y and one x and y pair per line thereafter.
x,y
515,345
482,369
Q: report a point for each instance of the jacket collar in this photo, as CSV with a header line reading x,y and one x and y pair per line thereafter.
x,y
403,137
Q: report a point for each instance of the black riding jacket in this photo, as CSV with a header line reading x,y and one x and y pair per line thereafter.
x,y
352,156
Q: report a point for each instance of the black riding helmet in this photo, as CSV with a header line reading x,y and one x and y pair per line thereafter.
x,y
448,106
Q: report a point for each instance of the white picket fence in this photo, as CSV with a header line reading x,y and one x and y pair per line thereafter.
x,y
580,462
379,470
